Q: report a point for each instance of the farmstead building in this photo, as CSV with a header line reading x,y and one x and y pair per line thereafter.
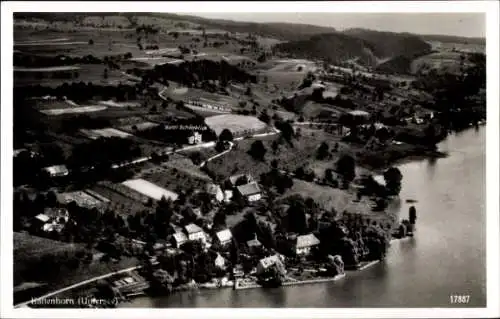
x,y
266,263
194,232
178,239
250,191
305,243
224,237
56,170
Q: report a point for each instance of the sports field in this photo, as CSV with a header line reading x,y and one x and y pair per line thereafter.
x,y
235,123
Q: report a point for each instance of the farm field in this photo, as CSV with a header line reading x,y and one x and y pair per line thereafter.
x,y
176,178
81,109
239,162
47,69
330,198
149,189
118,202
185,165
47,76
26,246
238,124
138,127
29,252
119,104
303,153
80,198
105,132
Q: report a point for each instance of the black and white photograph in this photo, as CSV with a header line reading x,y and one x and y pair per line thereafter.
x,y
168,156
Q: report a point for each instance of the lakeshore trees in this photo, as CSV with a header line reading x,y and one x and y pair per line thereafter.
x,y
393,178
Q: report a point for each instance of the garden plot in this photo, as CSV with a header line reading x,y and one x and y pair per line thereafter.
x,y
82,109
238,124
48,69
49,43
138,127
163,51
119,104
296,65
149,189
105,132
80,198
43,41
156,60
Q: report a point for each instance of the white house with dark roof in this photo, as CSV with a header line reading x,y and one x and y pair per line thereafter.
x,y
305,243
194,232
250,191
224,237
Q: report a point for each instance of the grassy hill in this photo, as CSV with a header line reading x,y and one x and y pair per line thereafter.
x,y
399,65
280,31
390,44
366,46
453,39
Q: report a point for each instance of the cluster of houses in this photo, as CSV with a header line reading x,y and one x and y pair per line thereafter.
x,y
52,219
210,106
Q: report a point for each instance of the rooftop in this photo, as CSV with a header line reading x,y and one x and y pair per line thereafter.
x,y
249,189
269,261
234,178
359,113
43,218
224,235
307,241
180,237
253,243
192,228
56,170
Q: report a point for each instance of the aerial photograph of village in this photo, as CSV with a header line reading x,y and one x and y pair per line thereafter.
x,y
180,160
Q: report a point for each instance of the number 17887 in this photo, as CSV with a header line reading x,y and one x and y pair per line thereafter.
x,y
459,299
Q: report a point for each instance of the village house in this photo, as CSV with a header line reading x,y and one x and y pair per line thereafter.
x,y
178,239
224,237
247,178
254,244
265,263
228,194
305,243
196,138
56,170
194,232
216,191
52,219
250,191
219,262
130,284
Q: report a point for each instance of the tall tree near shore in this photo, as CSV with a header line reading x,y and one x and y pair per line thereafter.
x,y
393,178
226,135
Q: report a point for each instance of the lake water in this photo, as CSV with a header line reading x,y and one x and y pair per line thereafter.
x,y
446,256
